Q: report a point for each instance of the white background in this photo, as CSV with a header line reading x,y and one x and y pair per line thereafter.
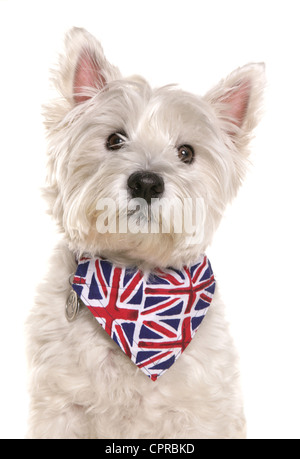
x,y
255,254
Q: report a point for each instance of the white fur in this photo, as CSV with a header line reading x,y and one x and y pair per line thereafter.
x,y
82,385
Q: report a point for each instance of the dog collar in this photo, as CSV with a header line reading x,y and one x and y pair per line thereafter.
x,y
152,318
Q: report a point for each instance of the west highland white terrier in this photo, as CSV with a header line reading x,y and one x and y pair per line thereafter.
x,y
138,180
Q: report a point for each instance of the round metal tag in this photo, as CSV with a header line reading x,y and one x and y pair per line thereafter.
x,y
72,306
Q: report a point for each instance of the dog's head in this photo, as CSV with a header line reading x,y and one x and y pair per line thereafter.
x,y
143,175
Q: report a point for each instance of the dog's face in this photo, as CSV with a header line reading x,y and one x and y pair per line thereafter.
x,y
140,175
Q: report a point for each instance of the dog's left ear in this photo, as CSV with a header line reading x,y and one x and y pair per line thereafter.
x,y
237,101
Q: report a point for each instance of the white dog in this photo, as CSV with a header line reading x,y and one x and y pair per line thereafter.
x,y
138,180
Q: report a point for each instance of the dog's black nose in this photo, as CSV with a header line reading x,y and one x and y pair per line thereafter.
x,y
145,185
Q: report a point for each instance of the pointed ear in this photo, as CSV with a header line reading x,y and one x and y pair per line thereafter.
x,y
237,100
87,76
83,69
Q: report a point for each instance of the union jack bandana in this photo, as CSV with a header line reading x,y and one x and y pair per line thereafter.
x,y
152,319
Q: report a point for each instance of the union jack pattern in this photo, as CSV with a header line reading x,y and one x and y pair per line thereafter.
x,y
152,319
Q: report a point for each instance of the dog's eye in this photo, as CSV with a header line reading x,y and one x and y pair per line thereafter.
x,y
186,154
116,141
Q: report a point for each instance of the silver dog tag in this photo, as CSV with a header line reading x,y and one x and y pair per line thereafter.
x,y
72,306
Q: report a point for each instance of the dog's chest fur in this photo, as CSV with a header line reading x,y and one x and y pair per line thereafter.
x,y
94,390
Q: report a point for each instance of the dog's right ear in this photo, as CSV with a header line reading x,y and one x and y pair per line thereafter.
x,y
83,70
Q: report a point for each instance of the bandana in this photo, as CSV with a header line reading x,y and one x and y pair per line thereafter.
x,y
152,318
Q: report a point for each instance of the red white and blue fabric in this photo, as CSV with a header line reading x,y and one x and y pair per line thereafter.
x,y
152,319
